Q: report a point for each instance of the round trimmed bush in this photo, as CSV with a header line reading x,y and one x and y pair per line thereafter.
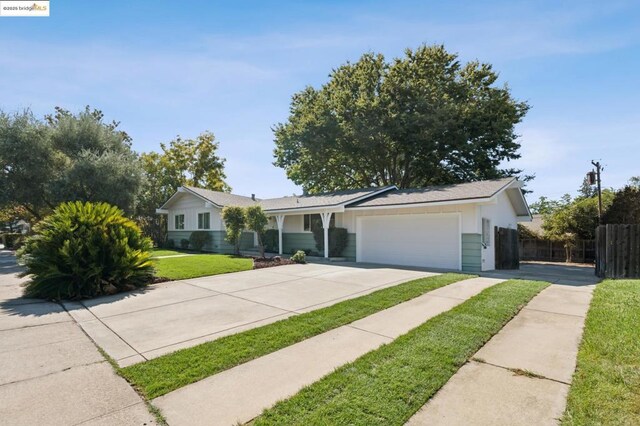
x,y
85,250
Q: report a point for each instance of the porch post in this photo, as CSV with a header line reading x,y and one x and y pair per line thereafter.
x,y
326,220
280,223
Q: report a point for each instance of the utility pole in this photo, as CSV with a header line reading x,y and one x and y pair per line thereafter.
x,y
598,167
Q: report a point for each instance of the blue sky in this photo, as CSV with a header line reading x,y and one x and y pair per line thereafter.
x,y
167,68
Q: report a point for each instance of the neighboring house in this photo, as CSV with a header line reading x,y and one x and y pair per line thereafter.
x,y
535,226
449,226
19,226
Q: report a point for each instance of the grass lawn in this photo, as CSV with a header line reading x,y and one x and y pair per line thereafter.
x,y
388,385
166,252
200,265
606,385
172,371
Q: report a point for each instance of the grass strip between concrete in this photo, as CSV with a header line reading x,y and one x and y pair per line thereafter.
x,y
606,384
167,373
200,265
388,385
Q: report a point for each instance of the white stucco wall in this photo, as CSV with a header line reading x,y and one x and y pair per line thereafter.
x,y
502,215
467,211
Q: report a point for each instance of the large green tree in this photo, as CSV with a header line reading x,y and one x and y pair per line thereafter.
x,y
625,206
66,157
422,119
181,162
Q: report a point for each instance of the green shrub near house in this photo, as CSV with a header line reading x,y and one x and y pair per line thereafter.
x,y
338,239
270,240
198,239
85,250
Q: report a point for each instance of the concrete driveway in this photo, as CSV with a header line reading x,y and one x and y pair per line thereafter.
x,y
137,326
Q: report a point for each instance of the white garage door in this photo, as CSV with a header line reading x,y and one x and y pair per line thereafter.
x,y
411,240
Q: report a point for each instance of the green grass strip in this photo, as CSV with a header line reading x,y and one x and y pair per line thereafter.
x,y
388,385
200,265
606,385
172,371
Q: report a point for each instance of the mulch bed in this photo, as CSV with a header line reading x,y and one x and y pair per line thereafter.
x,y
268,262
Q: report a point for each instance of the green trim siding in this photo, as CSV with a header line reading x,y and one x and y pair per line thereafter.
x,y
471,252
297,241
304,241
217,244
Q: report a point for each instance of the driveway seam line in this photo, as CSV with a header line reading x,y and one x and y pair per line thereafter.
x,y
205,335
153,307
41,345
37,325
109,413
368,331
554,313
53,372
541,377
363,292
108,328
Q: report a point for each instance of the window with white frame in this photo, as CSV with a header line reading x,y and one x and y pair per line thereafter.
x,y
486,232
314,221
204,220
179,221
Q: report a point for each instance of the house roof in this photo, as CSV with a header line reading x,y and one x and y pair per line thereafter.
x,y
535,226
388,196
440,193
328,199
222,199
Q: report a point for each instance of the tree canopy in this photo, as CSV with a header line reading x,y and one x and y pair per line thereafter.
x,y
422,119
181,162
66,157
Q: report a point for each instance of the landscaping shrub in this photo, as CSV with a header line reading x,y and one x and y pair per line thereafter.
x,y
170,244
199,239
85,250
12,240
338,238
270,240
184,243
299,257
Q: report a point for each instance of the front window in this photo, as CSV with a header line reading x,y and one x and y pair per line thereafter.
x,y
203,220
314,221
179,221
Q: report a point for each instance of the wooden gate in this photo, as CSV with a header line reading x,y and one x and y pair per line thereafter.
x,y
507,254
618,251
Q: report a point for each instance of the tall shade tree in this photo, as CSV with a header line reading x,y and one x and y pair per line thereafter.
x,y
625,206
419,120
66,157
181,162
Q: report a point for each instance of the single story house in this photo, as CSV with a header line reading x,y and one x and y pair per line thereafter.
x,y
448,226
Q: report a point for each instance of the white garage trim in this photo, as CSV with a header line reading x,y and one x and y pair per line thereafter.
x,y
359,231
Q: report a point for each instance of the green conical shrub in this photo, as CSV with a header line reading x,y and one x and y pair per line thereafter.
x,y
85,250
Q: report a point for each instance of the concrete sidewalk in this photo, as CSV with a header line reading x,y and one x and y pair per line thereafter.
x,y
497,388
52,373
241,393
136,326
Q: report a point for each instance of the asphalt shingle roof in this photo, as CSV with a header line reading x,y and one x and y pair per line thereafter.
x,y
222,198
319,200
386,196
432,194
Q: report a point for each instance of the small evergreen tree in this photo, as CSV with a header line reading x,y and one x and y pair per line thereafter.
x,y
257,221
234,222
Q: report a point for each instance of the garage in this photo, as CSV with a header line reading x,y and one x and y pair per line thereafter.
x,y
426,240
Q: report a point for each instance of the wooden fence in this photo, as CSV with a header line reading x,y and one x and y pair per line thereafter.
x,y
584,251
506,242
618,251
